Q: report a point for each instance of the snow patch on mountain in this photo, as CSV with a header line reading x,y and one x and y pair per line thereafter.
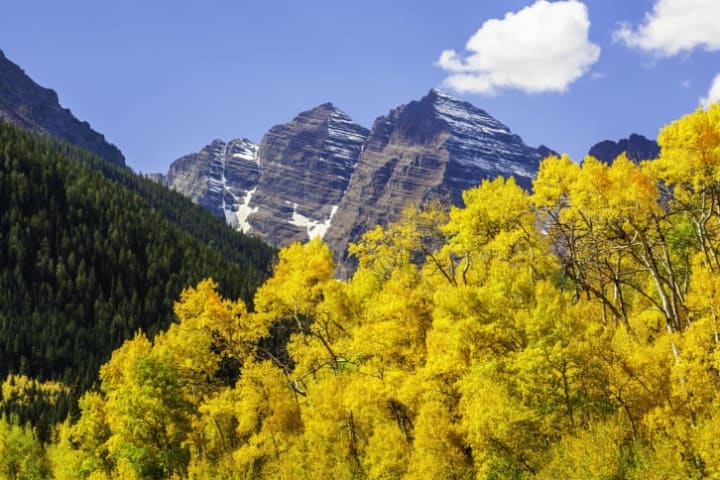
x,y
345,138
245,150
480,141
238,219
315,228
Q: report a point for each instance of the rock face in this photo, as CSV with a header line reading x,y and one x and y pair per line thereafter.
x,y
435,147
286,189
32,107
221,178
323,175
636,146
306,167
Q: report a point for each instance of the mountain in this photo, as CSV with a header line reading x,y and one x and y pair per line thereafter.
x,y
29,106
636,146
323,175
285,189
436,147
218,177
306,167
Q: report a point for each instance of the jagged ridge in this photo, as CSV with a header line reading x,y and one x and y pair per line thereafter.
x,y
323,175
637,148
29,106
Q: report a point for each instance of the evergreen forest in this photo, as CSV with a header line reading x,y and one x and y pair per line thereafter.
x,y
89,254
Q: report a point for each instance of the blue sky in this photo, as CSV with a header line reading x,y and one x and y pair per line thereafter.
x,y
163,78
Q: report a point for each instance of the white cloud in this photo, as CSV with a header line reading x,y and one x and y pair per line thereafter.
x,y
687,83
713,94
597,75
674,26
541,48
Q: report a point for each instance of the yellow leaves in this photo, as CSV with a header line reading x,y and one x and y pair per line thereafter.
x,y
633,192
21,454
91,430
66,461
696,373
638,369
120,369
594,454
211,330
703,299
492,214
152,389
707,444
382,250
387,453
240,429
690,151
20,390
497,425
439,449
266,413
665,459
556,176
392,328
595,190
520,336
146,416
299,277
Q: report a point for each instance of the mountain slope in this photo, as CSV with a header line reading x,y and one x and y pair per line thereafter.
x,y
306,167
29,106
436,147
218,177
86,260
285,189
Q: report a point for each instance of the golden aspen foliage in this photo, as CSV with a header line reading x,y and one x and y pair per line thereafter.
x,y
412,240
690,152
296,286
571,332
20,389
595,453
146,413
551,187
21,453
65,460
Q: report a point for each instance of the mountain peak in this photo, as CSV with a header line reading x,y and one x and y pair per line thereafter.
x,y
323,175
322,113
435,147
437,93
636,146
324,108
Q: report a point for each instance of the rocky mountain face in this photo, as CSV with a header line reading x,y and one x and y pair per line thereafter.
x,y
636,146
286,189
435,147
323,175
221,177
306,167
27,105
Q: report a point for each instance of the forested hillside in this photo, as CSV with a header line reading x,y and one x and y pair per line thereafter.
x,y
90,253
567,333
247,252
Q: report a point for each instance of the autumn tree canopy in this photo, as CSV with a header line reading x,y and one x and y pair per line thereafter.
x,y
571,332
